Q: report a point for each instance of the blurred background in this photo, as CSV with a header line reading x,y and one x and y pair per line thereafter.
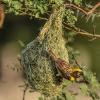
x,y
23,28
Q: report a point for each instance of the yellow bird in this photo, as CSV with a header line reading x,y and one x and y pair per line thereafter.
x,y
68,72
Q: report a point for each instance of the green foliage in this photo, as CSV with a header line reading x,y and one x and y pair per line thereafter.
x,y
26,7
84,89
58,2
69,36
68,96
77,2
40,72
72,55
70,17
62,96
31,8
93,86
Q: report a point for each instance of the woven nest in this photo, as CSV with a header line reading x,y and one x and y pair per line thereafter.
x,y
39,70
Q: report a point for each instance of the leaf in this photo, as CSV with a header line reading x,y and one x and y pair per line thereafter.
x,y
21,43
37,15
84,89
77,2
93,17
16,4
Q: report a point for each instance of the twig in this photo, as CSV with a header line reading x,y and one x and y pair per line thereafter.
x,y
24,12
88,34
93,33
94,8
80,31
82,10
25,92
31,15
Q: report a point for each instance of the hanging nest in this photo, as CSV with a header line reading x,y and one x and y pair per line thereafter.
x,y
39,69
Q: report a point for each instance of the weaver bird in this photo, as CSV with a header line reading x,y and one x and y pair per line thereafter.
x,y
67,71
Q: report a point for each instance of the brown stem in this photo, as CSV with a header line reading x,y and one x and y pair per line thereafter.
x,y
81,32
94,8
89,34
25,92
82,10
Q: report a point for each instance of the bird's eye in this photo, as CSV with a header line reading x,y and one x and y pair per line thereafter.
x,y
76,74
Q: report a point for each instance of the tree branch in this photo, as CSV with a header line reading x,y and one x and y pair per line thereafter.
x,y
89,34
81,32
82,10
25,92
